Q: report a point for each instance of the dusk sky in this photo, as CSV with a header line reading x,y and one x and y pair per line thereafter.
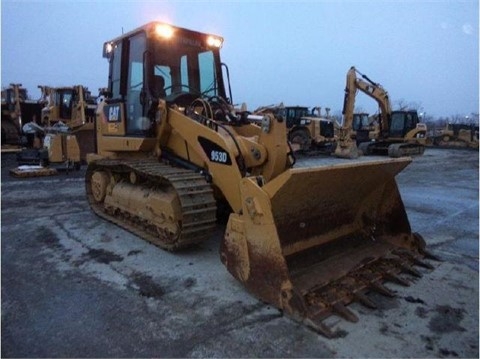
x,y
298,53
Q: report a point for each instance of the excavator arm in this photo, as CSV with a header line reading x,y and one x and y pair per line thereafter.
x,y
346,147
379,94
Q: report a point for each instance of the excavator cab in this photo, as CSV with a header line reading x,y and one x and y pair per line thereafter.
x,y
402,122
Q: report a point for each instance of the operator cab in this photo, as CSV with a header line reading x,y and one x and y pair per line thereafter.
x,y
9,98
401,122
294,115
360,122
159,61
63,98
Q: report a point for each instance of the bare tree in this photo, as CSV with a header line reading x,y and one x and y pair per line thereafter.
x,y
400,105
415,106
403,105
457,119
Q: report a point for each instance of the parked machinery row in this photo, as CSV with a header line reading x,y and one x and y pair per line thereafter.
x,y
170,154
56,130
456,135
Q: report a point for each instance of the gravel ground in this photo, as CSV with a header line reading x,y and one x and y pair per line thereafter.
x,y
74,285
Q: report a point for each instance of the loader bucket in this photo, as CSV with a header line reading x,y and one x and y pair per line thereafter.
x,y
313,240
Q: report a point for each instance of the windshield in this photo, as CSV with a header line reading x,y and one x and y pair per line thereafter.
x,y
360,122
297,112
397,124
185,69
63,99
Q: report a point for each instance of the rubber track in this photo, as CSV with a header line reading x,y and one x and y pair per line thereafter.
x,y
195,194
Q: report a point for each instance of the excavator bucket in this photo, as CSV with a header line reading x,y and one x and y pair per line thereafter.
x,y
313,240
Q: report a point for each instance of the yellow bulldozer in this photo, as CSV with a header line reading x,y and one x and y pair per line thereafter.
x,y
307,130
457,135
172,151
17,109
400,132
66,134
75,107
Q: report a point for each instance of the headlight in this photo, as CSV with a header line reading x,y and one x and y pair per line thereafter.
x,y
164,30
214,41
108,48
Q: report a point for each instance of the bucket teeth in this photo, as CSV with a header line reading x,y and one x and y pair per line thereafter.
x,y
430,255
364,300
333,298
379,288
423,264
409,270
319,327
415,259
395,278
344,312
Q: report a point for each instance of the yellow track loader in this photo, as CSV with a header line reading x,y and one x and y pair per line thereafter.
x,y
171,152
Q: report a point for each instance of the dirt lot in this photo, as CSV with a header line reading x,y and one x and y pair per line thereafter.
x,y
74,285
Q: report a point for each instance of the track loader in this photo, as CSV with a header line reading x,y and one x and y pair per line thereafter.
x,y
400,132
173,155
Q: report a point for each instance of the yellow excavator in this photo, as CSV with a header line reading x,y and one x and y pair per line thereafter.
x,y
173,155
400,132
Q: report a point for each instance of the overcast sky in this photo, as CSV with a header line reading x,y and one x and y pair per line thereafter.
x,y
298,53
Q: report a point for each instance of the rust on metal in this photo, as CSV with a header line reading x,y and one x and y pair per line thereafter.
x,y
32,171
314,240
